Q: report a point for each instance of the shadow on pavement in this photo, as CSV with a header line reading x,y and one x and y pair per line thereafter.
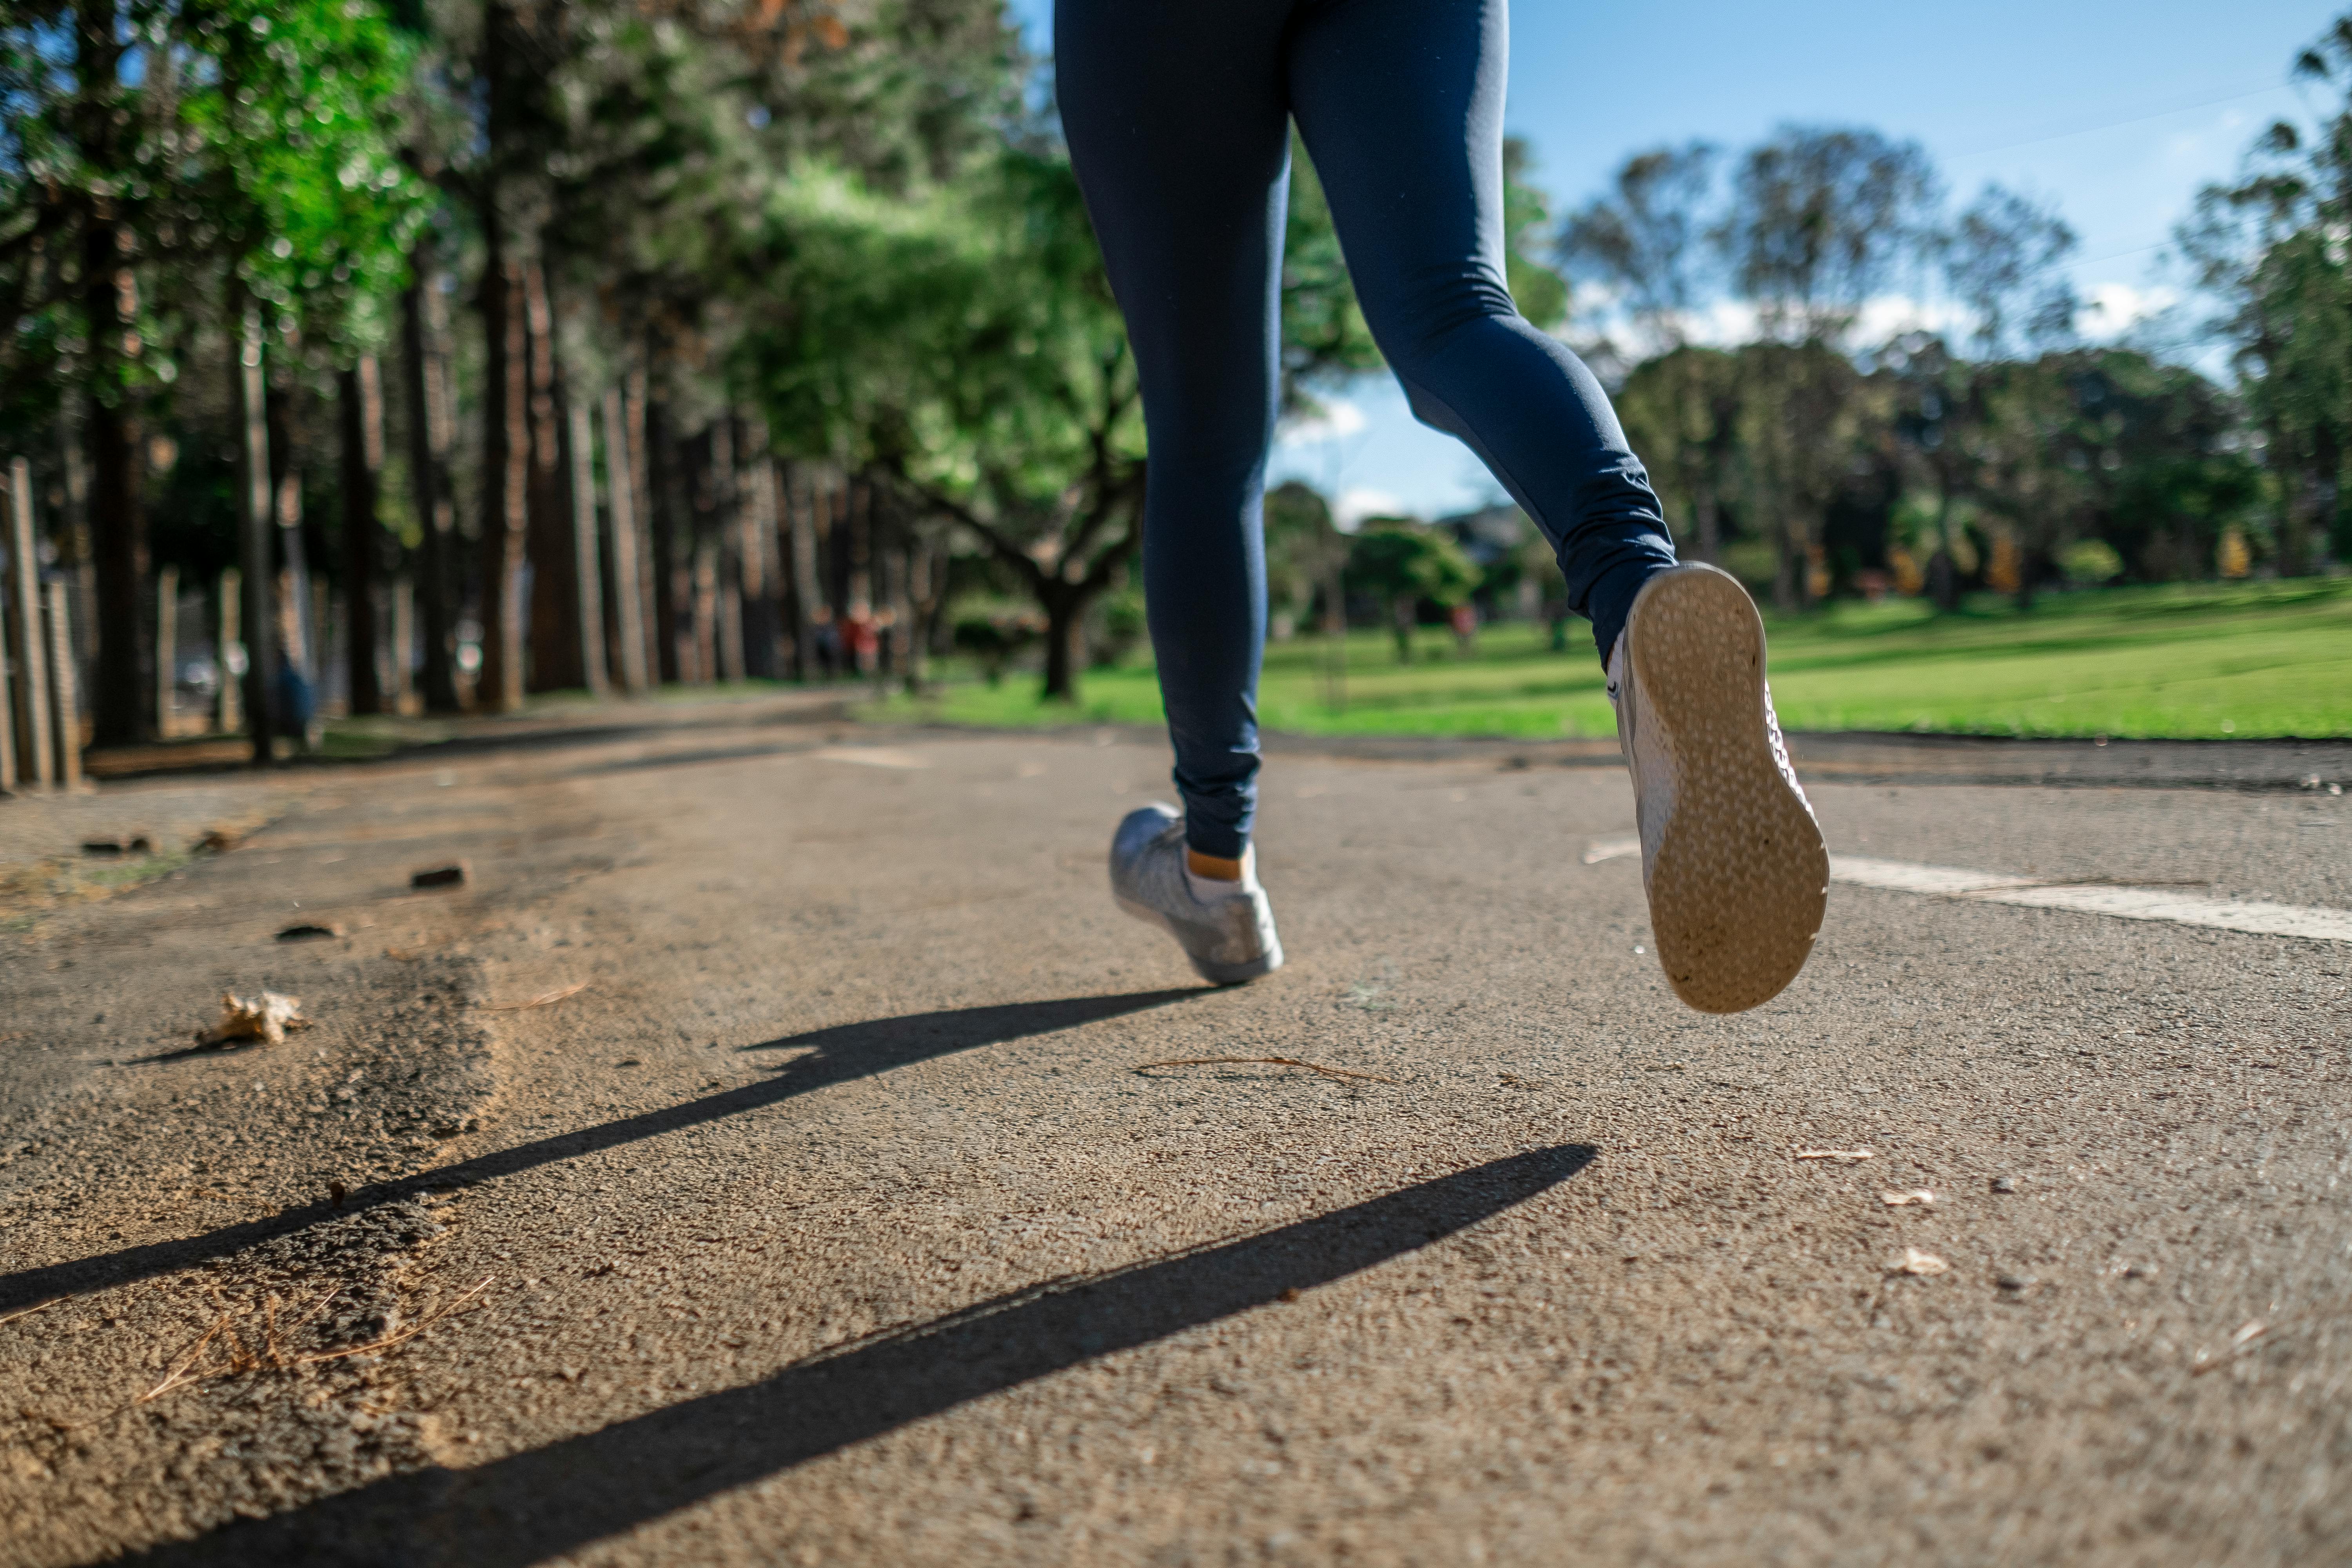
x,y
844,1051
558,1498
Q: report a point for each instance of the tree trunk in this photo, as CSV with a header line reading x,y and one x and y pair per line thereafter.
x,y
118,522
293,624
1065,630
755,489
359,396
1710,524
579,444
248,395
1401,613
506,463
554,588
1791,564
628,577
431,430
726,544
25,689
673,574
805,590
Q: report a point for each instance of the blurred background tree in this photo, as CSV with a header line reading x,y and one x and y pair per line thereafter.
x,y
734,338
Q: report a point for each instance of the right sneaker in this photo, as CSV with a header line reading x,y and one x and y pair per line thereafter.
x,y
1229,936
1732,858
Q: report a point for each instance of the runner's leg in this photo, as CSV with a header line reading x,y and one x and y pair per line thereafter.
x,y
1400,103
1178,126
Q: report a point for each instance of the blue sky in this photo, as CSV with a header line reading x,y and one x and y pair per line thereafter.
x,y
2115,112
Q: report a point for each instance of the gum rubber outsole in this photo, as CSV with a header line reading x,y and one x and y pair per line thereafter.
x,y
1742,876
1214,973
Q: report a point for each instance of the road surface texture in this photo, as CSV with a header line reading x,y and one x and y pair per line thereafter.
x,y
868,1202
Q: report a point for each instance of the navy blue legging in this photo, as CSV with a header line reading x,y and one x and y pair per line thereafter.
x,y
1178,115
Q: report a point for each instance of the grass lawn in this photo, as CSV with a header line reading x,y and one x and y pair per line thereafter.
x,y
2182,661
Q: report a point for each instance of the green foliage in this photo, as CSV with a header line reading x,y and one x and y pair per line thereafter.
x,y
1406,564
2090,562
1303,548
297,129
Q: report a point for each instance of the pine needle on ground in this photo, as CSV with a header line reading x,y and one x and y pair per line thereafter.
x,y
1266,1061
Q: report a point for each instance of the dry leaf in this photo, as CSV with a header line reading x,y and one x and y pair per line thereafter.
x,y
1904,1200
265,1017
1917,1262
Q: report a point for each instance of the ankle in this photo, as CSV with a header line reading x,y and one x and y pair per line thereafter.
x,y
1213,868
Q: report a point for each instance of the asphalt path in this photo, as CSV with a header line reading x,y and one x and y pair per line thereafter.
x,y
780,1149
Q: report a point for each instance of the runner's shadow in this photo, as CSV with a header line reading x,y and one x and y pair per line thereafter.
x,y
557,1500
842,1052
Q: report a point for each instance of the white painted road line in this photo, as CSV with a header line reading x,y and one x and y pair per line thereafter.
x,y
2251,915
1903,877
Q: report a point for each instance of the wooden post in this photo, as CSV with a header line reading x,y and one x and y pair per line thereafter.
x,y
583,547
403,643
621,502
26,650
228,651
64,702
167,646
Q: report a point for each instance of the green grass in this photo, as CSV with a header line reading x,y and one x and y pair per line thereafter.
x,y
2183,661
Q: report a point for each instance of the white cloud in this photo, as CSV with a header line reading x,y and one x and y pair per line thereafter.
x,y
1353,506
2110,309
1339,419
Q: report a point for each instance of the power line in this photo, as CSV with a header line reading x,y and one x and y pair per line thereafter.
x,y
2128,120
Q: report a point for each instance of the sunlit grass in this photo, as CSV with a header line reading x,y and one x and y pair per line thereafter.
x,y
2184,661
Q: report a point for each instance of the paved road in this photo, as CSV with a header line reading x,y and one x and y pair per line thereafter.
x,y
843,1219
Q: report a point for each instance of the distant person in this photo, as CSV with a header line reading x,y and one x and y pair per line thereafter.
x,y
1178,118
827,639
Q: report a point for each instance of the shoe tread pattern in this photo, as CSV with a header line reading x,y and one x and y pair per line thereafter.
x,y
1742,876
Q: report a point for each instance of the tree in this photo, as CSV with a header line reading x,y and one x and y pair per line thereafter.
x,y
1819,221
1683,408
1305,553
2001,259
1404,564
1646,242
2270,249
143,138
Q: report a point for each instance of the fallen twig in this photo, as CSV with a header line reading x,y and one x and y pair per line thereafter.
x,y
272,1355
1835,1154
179,1374
545,1000
28,1312
407,1333
1266,1061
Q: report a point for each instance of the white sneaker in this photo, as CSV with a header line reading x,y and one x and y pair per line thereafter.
x,y
1731,856
1229,936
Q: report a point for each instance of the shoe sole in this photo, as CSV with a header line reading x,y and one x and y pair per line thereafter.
x,y
1742,876
1257,968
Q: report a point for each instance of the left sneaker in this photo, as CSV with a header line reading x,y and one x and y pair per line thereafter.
x,y
1228,936
1731,857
